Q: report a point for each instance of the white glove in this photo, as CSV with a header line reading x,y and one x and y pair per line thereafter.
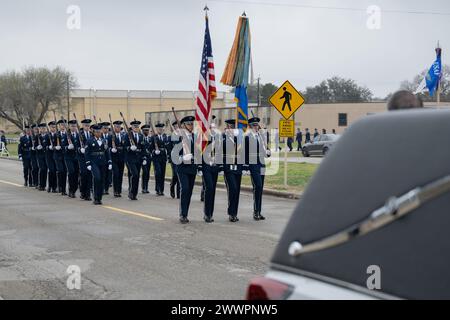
x,y
157,152
268,153
32,148
200,173
144,163
89,168
51,147
133,148
70,147
110,167
39,147
187,157
236,132
20,158
82,150
114,150
58,148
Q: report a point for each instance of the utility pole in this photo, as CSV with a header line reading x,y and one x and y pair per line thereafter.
x,y
258,97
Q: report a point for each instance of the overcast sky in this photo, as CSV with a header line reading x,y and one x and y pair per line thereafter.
x,y
156,45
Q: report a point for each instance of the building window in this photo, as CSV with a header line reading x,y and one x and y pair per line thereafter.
x,y
342,120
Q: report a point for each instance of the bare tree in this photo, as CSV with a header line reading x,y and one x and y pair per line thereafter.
x,y
25,97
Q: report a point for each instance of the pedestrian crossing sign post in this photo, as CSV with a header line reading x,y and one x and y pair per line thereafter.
x,y
286,128
287,100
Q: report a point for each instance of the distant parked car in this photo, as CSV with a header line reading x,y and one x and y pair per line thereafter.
x,y
320,145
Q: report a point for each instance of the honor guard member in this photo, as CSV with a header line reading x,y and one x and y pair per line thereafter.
x,y
159,157
148,153
172,141
211,166
98,162
34,163
187,169
202,193
116,141
24,152
105,136
58,156
71,144
41,156
85,174
232,167
256,152
135,157
50,144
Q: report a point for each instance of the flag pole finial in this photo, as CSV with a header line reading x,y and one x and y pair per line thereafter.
x,y
438,45
244,14
206,9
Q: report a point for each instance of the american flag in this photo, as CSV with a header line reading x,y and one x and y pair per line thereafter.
x,y
206,90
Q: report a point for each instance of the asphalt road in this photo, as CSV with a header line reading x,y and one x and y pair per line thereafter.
x,y
129,249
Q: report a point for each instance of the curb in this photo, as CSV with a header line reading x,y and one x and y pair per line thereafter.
x,y
269,192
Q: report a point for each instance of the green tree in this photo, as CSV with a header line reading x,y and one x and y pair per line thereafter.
x,y
337,90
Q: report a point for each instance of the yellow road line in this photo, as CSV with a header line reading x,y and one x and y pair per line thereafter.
x,y
133,213
106,207
11,183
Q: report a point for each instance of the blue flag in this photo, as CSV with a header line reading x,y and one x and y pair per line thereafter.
x,y
242,107
433,76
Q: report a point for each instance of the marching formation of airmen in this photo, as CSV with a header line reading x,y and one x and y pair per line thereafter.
x,y
62,157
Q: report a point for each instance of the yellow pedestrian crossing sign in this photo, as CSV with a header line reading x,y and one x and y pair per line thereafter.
x,y
287,100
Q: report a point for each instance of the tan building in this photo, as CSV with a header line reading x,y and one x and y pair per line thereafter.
x,y
141,104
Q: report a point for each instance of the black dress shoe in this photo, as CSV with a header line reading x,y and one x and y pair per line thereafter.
x,y
256,216
97,202
184,220
63,193
82,196
48,190
208,219
233,219
54,191
261,217
117,195
71,195
172,192
88,198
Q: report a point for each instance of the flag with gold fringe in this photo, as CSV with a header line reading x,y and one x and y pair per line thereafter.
x,y
237,69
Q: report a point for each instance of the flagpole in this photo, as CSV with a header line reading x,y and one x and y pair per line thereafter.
x,y
438,98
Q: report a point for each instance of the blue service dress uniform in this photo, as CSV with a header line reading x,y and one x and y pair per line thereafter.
x,y
232,168
85,175
187,172
255,155
50,144
108,180
212,164
98,157
147,167
24,152
174,182
70,145
118,161
134,161
34,164
58,156
41,160
159,161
